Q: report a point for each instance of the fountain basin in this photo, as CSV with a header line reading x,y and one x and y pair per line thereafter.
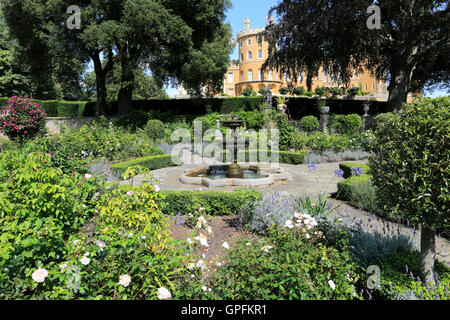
x,y
215,176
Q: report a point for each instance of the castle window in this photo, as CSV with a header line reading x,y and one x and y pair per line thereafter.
x,y
260,75
230,77
242,76
242,43
242,57
260,54
249,42
270,75
230,92
250,55
250,75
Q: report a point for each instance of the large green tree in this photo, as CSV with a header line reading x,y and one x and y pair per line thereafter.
x,y
13,79
334,34
166,35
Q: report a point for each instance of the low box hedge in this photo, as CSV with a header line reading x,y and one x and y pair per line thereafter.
x,y
345,187
150,162
347,168
287,157
216,203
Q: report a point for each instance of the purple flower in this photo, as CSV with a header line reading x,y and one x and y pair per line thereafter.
x,y
339,172
312,166
357,171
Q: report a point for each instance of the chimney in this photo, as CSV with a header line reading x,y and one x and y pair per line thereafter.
x,y
246,24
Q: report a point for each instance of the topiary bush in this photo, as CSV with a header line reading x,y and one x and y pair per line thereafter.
x,y
320,91
284,90
346,124
335,91
309,123
410,170
155,129
353,91
248,92
22,119
299,91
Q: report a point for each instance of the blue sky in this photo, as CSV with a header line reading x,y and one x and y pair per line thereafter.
x,y
256,11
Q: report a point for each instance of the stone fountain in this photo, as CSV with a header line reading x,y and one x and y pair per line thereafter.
x,y
234,170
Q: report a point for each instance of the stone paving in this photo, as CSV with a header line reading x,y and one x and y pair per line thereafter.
x,y
306,181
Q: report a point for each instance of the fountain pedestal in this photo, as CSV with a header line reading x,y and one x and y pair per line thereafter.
x,y
234,170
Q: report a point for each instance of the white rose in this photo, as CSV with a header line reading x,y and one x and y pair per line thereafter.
x,y
39,275
332,285
164,294
85,261
124,280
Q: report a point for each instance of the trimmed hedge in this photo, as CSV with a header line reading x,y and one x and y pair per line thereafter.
x,y
299,107
216,203
287,157
150,162
347,168
345,187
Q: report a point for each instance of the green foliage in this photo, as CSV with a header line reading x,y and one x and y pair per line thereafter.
x,y
215,203
247,92
150,162
71,108
299,91
347,168
345,188
411,160
284,265
309,93
320,91
400,280
155,129
310,123
319,142
133,120
261,91
346,124
286,131
288,157
353,91
335,91
284,90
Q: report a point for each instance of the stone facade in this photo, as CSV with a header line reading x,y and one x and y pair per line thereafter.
x,y
253,52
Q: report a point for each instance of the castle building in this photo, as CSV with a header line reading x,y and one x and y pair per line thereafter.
x,y
247,71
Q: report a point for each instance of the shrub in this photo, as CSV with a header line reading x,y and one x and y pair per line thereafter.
x,y
285,265
284,90
22,119
309,93
216,203
320,91
310,123
287,157
335,91
133,120
353,91
150,162
286,130
299,91
298,141
155,129
347,168
340,143
71,108
319,142
261,91
248,92
400,280
410,170
345,188
346,124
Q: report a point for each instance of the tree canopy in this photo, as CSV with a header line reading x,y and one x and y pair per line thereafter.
x,y
407,50
180,41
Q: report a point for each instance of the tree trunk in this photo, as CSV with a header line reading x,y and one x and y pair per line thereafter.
x,y
100,76
127,81
398,88
427,255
